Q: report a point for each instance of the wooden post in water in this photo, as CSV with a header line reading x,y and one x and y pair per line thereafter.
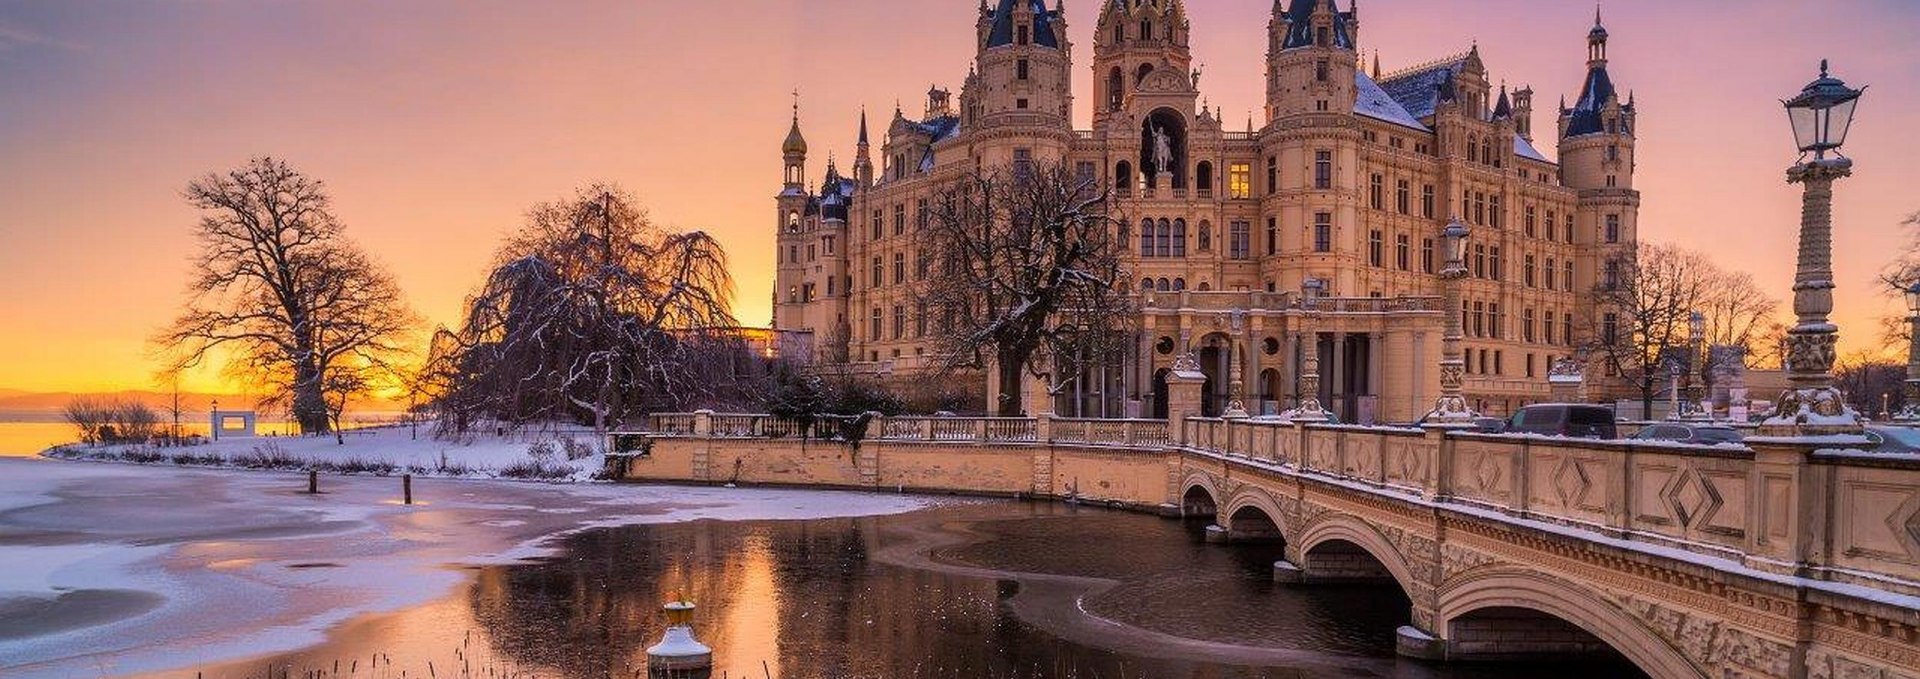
x,y
313,482
406,487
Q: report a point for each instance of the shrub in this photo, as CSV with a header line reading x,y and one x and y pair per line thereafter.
x,y
537,469
576,450
541,451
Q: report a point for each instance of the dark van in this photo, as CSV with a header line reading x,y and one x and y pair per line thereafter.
x,y
1564,419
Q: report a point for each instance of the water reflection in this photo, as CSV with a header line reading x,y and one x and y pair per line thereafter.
x,y
831,599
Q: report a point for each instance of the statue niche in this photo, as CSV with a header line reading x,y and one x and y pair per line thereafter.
x,y
1163,149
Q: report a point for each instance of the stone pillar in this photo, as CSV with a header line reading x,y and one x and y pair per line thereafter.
x,y
1812,406
1567,381
1185,386
1451,408
1308,407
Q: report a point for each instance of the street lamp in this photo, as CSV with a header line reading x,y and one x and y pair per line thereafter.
x,y
1820,115
1451,408
214,424
1910,409
1308,407
1696,336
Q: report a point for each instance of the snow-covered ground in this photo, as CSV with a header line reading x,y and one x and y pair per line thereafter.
x,y
110,570
385,451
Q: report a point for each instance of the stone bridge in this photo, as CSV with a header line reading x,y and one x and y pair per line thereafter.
x,y
1770,560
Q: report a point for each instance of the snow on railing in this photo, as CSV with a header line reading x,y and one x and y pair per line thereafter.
x,y
672,424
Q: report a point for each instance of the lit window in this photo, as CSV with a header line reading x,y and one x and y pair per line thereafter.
x,y
1239,181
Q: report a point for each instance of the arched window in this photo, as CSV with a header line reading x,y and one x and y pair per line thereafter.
x,y
1205,286
1473,147
1164,286
1119,34
1486,151
1165,246
1206,236
1116,89
1146,238
1146,285
1180,238
1179,284
1142,75
1123,177
1203,178
1146,29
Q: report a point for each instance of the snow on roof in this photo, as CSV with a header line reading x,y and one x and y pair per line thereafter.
x,y
1373,102
1525,149
1418,89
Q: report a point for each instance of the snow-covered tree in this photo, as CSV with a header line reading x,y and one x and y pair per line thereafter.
x,y
591,313
1024,276
291,305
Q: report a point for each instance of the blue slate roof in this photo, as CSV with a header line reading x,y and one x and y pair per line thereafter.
x,y
940,129
1525,149
1594,96
1300,25
1421,90
1373,102
1002,33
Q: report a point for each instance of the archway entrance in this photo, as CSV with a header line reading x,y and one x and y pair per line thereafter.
x,y
1160,394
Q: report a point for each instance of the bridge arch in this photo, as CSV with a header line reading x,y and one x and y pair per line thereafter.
x,y
1518,590
1252,515
1198,498
1343,547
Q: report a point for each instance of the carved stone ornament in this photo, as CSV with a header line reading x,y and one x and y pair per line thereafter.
x,y
1566,367
1453,376
1811,352
1186,363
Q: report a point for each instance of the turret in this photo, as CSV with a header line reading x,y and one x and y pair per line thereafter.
x,y
794,151
1311,60
1523,112
1597,132
863,155
1023,63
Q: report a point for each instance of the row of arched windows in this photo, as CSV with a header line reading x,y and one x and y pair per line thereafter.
x,y
1126,181
1164,238
1481,150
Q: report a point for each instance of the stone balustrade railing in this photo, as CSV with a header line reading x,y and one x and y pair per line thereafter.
x,y
1775,506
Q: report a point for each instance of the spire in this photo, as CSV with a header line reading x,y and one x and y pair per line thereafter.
x,y
863,126
1504,109
796,144
1376,64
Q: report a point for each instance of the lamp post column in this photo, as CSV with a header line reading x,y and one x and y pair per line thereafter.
x,y
1451,408
1812,405
1910,408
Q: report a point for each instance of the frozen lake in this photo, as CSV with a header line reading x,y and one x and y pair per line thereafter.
x,y
116,571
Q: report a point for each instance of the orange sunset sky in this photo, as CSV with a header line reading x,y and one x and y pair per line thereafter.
x,y
436,123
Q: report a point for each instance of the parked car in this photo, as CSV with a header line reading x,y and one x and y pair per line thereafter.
x,y
1564,419
1703,434
1489,425
1901,440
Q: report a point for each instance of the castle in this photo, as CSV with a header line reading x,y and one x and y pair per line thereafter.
x,y
1316,229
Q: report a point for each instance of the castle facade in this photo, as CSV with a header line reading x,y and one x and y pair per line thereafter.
x,y
1315,230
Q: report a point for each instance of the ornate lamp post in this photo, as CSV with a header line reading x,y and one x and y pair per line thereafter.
x,y
1696,337
1820,115
216,419
1910,411
1309,409
1451,408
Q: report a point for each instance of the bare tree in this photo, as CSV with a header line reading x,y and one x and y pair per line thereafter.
x,y
1872,383
1646,302
1738,315
89,417
281,293
591,313
1025,276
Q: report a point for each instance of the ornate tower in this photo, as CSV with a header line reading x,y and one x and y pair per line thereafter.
x,y
790,288
1311,59
1597,158
1021,72
1136,39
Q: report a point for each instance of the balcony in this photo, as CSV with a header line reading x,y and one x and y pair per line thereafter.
x,y
1284,301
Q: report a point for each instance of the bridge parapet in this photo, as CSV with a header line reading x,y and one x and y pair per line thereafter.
x,y
1772,559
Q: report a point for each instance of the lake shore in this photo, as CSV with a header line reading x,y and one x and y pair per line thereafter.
x,y
139,570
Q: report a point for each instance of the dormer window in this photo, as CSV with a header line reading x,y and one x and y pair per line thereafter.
x,y
1320,70
1146,30
1119,34
1323,37
1020,69
1021,34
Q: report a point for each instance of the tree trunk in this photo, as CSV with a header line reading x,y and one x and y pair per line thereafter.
x,y
309,400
